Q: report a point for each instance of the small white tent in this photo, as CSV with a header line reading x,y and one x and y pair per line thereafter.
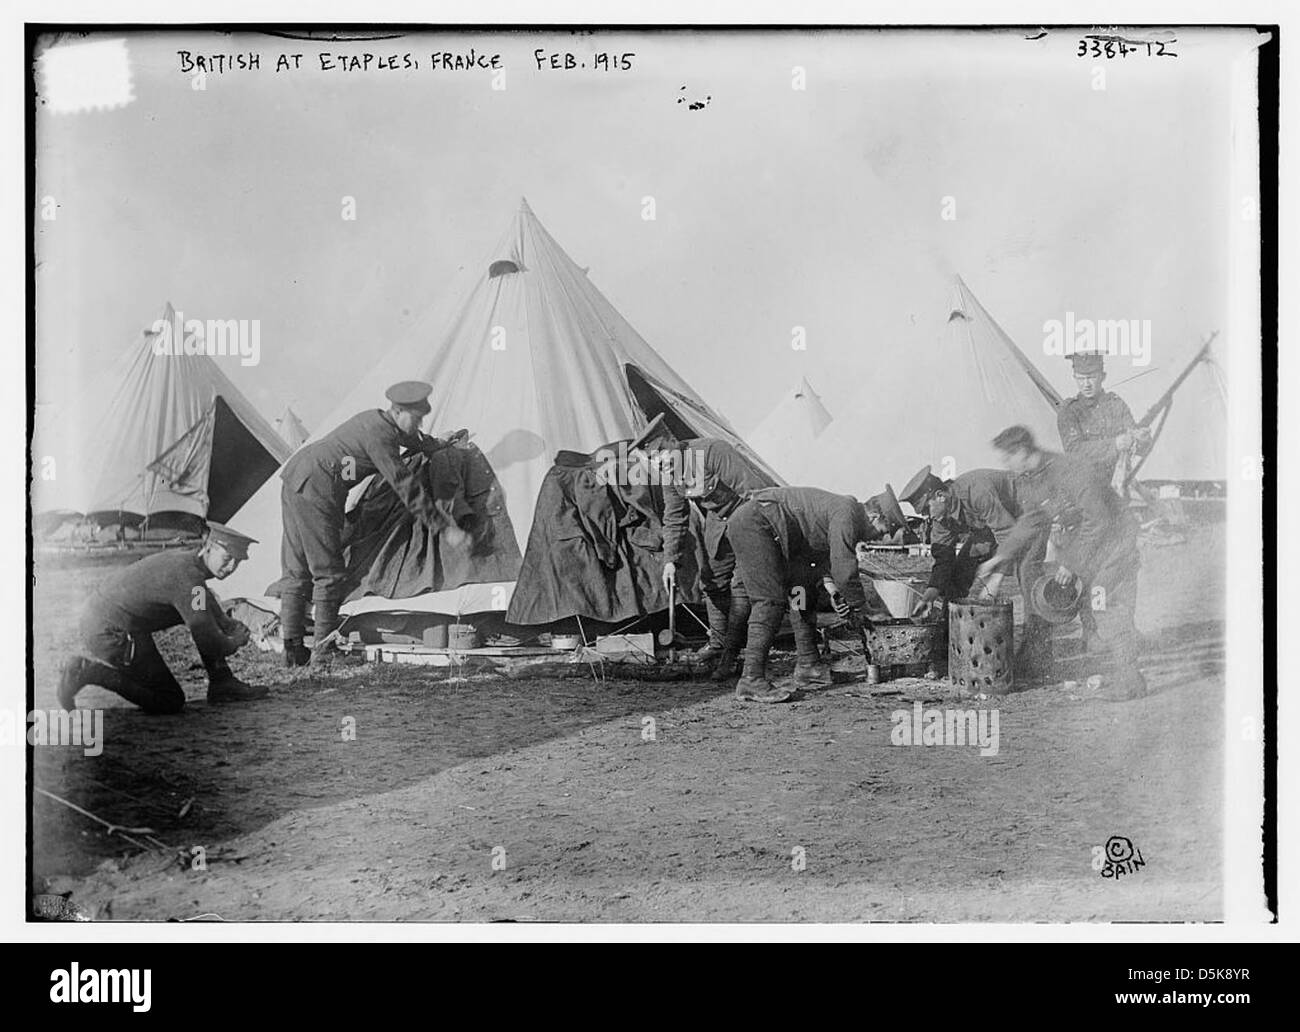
x,y
938,400
177,435
534,360
785,438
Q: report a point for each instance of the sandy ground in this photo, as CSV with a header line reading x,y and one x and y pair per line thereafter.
x,y
497,798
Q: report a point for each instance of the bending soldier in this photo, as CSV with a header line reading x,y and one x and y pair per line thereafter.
x,y
969,516
313,497
1098,543
709,473
781,536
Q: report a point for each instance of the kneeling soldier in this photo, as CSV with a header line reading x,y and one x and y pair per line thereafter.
x,y
160,591
781,536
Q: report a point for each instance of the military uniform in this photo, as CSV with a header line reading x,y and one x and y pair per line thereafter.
x,y
717,482
1098,543
122,615
982,507
313,496
781,536
1089,426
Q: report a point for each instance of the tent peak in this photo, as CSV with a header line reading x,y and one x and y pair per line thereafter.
x,y
804,388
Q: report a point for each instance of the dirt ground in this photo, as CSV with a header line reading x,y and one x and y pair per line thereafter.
x,y
529,799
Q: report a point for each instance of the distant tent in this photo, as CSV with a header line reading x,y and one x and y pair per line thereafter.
x,y
178,441
291,429
939,400
785,438
1192,435
534,360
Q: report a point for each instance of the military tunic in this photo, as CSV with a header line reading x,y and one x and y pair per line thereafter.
x,y
982,508
157,592
719,481
313,496
1089,426
1098,543
782,534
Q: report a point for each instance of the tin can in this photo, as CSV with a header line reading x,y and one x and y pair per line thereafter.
x,y
873,673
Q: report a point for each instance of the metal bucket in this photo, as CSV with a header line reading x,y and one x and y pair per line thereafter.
x,y
981,646
899,596
462,636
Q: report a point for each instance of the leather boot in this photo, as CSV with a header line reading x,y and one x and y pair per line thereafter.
x,y
75,675
80,671
224,686
809,669
753,685
296,653
737,627
717,608
293,625
325,651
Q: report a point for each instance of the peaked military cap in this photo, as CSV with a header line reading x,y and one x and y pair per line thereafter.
x,y
410,394
231,540
1087,363
920,487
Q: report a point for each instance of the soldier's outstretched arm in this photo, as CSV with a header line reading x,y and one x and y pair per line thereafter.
x,y
1027,532
411,489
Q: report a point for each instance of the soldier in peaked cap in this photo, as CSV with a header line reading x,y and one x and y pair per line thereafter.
x,y
1098,427
160,591
313,496
886,516
712,475
1095,424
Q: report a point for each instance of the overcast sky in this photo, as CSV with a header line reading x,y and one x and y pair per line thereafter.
x,y
775,207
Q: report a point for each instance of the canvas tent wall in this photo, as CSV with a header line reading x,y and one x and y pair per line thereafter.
x,y
938,399
177,438
533,360
787,435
